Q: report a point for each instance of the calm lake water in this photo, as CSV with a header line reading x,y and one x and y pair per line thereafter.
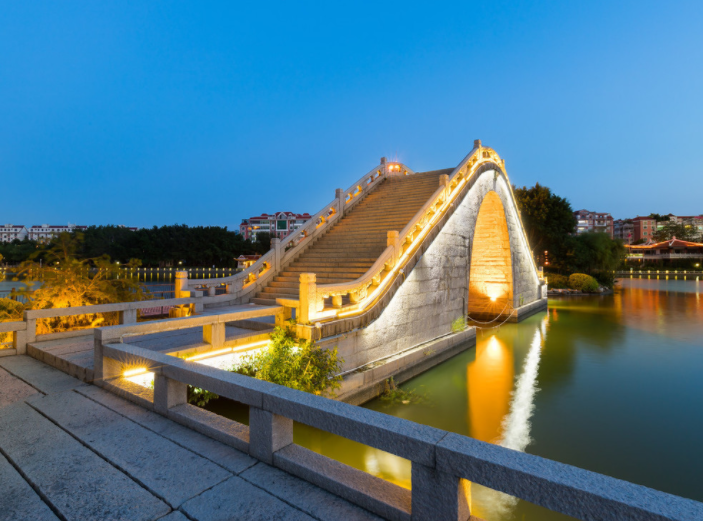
x,y
612,384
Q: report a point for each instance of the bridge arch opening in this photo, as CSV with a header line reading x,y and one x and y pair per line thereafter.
x,y
491,271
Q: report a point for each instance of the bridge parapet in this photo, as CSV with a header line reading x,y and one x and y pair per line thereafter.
x,y
246,283
440,460
364,292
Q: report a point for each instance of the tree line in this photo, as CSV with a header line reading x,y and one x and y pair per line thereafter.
x,y
157,246
550,226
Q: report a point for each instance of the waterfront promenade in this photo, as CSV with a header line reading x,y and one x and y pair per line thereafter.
x,y
72,451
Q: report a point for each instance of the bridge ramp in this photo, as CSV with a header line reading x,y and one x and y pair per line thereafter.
x,y
351,247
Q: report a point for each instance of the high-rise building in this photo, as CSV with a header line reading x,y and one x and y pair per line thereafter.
x,y
645,228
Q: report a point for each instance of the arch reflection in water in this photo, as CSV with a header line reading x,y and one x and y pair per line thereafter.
x,y
515,426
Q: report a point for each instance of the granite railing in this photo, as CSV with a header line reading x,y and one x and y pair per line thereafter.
x,y
19,337
248,282
440,460
367,289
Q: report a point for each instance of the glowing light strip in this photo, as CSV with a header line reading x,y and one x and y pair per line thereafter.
x,y
134,372
226,350
450,198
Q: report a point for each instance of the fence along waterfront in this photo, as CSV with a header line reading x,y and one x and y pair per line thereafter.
x,y
440,460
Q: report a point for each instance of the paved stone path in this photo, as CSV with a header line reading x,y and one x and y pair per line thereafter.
x,y
71,451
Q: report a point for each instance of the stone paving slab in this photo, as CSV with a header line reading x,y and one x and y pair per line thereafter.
x,y
40,376
236,499
18,502
74,480
12,389
174,516
304,495
224,455
166,469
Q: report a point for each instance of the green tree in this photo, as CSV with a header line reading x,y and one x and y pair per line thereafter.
x,y
596,254
66,281
549,221
679,230
659,217
294,363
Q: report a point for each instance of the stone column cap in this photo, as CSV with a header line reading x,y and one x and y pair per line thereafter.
x,y
307,277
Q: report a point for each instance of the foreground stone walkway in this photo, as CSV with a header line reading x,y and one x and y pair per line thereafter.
x,y
71,451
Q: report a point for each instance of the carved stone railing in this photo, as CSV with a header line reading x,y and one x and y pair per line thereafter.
x,y
366,290
249,281
439,460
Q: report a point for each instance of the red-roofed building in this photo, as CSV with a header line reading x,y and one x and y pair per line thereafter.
x,y
277,224
644,228
674,249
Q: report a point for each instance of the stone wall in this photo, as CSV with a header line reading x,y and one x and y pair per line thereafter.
x,y
436,291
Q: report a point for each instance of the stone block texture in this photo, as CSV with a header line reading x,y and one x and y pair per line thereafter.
x,y
481,248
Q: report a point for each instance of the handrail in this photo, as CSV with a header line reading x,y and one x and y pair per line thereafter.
x,y
284,249
439,459
104,308
396,256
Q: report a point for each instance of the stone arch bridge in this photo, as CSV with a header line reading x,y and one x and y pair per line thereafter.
x,y
389,265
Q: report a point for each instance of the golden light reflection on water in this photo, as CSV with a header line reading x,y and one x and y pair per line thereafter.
x,y
490,381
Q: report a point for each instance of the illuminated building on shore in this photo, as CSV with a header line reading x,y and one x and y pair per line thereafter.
x,y
277,224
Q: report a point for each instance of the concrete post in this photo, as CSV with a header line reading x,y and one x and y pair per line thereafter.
x,y
339,195
103,368
181,284
393,240
337,301
308,298
268,433
383,166
214,334
168,393
128,316
31,328
438,496
211,291
19,342
275,246
477,143
444,181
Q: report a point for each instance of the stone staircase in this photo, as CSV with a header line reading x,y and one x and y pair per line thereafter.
x,y
351,247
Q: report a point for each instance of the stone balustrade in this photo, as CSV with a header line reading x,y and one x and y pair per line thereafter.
x,y
440,460
247,282
19,337
364,291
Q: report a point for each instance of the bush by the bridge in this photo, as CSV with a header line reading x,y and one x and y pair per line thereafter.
x,y
10,311
556,281
583,282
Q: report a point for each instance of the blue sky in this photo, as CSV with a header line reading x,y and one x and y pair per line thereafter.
x,y
150,113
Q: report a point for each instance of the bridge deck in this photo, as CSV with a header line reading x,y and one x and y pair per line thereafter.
x,y
70,450
74,356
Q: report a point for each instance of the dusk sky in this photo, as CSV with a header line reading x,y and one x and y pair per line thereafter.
x,y
151,113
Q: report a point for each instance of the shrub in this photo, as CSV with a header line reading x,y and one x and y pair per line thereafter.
x,y
583,282
605,278
556,281
10,311
294,363
459,324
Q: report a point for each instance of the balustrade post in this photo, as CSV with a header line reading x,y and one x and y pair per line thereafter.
x,y
236,285
128,316
214,334
181,288
392,239
339,195
103,368
168,393
438,496
211,291
275,246
308,298
444,181
19,342
337,301
31,335
268,433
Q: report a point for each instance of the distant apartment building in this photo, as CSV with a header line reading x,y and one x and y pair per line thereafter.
x,y
587,221
46,232
695,222
644,228
624,229
277,224
11,232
